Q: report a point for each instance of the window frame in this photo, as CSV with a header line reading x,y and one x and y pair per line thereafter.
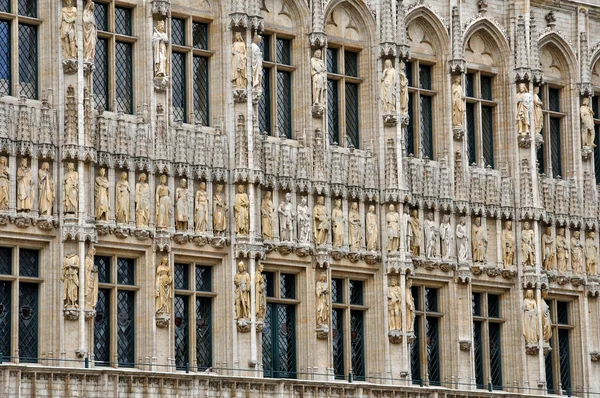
x,y
485,319
554,354
420,331
595,104
479,103
415,92
545,166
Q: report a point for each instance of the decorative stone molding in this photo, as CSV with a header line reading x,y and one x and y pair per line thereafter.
x,y
395,336
71,313
322,332
161,7
70,66
532,349
243,325
595,356
465,345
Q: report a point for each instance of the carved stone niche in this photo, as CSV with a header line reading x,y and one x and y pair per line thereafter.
x,y
465,345
395,336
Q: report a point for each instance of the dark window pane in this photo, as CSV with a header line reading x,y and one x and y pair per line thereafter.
x,y
287,286
337,325
267,341
356,292
332,60
5,44
125,328
555,151
493,306
182,334
279,341
203,279
29,262
495,355
270,279
179,85
425,77
102,328
200,35
181,277
123,21
101,16
5,318
410,129
28,60
27,8
337,295
554,99
178,31
264,104
471,143
125,271
597,154
486,88
203,333
28,322
333,112
470,85
415,352
541,159
284,103
487,134
124,77
433,351
596,106
562,312
352,125
265,47
565,359
478,354
283,50
5,260
103,265
476,305
5,5
431,303
408,68
426,127
351,63
201,107
417,298
101,74
357,349
549,371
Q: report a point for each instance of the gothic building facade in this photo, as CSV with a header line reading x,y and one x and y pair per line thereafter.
x,y
276,198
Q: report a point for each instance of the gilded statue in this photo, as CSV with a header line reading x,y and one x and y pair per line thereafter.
x,y
70,279
591,254
562,252
163,204
160,42
410,308
219,212
432,234
4,183
337,224
458,103
530,319
46,193
320,222
266,212
91,280
388,87
478,241
241,209
528,245
101,203
142,202
372,229
182,200
303,214
71,190
394,297
318,72
577,256
257,63
164,287
415,226
260,283
462,241
588,133
201,214
242,293
322,291
25,188
238,63
446,237
68,32
548,253
122,200
90,32
286,218
523,109
508,245
354,227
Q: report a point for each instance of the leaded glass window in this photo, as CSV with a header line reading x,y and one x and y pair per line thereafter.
x,y
487,351
101,76
337,326
28,322
480,108
28,74
5,61
279,332
125,328
5,317
102,328
181,323
596,109
123,21
352,126
203,332
101,16
27,8
5,5
124,77
333,112
275,102
125,271
425,349
29,262
550,154
178,31
558,360
419,132
178,86
5,260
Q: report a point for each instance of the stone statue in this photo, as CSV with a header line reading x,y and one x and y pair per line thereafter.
x,y
562,252
303,221
322,291
372,235
91,280
538,114
415,226
388,87
25,188
70,278
410,308
257,63
478,241
405,230
523,109
577,253
394,297
546,321
122,200
591,254
68,32
354,227
164,286
508,245
182,200
446,237
587,123
266,210
71,187
320,222
219,212
4,183
462,241
432,234
527,245
160,42
201,215
90,31
163,204
458,103
142,202
337,224
318,72
286,219
101,203
46,193
260,286
530,319
238,63
392,220
548,253
241,208
242,293
403,90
